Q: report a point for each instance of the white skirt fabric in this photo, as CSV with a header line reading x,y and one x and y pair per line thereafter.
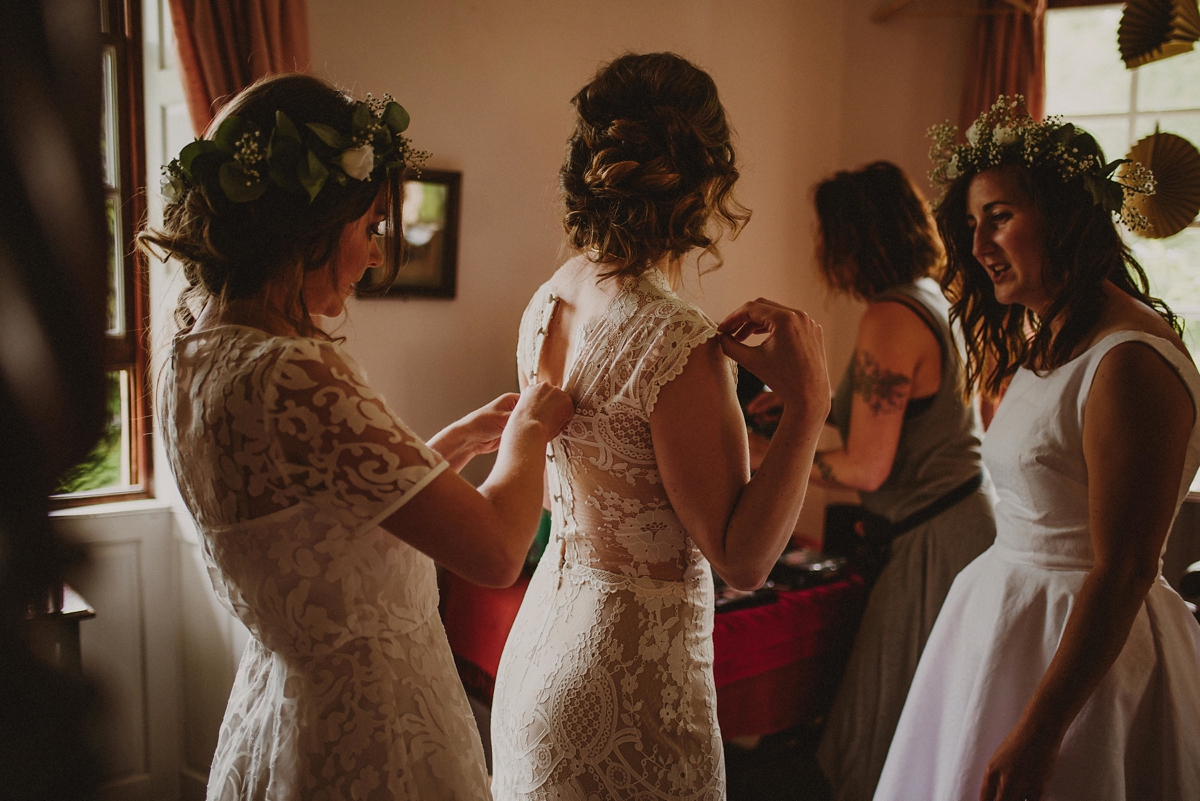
x,y
1137,737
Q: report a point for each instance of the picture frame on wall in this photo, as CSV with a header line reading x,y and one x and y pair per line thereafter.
x,y
430,223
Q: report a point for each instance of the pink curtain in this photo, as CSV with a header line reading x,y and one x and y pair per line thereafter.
x,y
1008,57
226,45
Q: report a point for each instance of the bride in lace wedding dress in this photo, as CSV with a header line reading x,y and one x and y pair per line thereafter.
x,y
605,689
320,512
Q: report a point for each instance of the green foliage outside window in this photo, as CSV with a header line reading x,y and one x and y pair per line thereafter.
x,y
102,468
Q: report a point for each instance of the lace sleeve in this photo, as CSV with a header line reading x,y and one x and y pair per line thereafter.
x,y
336,441
678,328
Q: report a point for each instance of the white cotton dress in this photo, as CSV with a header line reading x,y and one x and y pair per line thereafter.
x,y
605,689
1138,736
288,463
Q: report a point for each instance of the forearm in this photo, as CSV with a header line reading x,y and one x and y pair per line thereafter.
x,y
1096,631
839,469
453,445
765,515
514,491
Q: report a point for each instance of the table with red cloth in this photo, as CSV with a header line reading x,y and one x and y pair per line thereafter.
x,y
775,665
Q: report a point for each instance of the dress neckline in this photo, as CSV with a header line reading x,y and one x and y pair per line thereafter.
x,y
1121,332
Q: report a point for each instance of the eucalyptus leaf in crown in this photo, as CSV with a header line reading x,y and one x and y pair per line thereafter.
x,y
1006,134
243,161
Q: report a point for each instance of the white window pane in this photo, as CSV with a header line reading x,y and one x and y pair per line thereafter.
x,y
1084,71
1111,132
1173,83
1185,124
1173,267
116,267
110,148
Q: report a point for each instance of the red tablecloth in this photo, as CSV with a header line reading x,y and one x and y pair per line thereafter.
x,y
775,665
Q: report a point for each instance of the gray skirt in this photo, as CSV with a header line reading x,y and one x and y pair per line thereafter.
x,y
898,618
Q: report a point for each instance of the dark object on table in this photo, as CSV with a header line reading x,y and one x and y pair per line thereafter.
x,y
749,387
801,569
795,570
1189,587
729,600
53,632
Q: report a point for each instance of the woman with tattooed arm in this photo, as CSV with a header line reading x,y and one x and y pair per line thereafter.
x,y
911,448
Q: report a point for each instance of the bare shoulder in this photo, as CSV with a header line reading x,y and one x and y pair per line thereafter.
x,y
1125,313
890,325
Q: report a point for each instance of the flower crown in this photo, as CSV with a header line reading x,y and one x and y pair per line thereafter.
x,y
243,161
1002,132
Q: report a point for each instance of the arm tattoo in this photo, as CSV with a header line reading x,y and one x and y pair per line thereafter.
x,y
824,468
883,391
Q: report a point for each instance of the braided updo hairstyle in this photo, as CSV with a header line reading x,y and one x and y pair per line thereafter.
x,y
230,251
649,165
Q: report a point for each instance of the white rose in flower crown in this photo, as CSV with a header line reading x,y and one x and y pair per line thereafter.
x,y
973,134
358,162
952,168
1004,136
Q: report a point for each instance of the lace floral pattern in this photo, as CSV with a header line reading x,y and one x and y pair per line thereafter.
x,y
605,689
288,462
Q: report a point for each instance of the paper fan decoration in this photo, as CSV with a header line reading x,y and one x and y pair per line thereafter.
x,y
1175,163
1151,30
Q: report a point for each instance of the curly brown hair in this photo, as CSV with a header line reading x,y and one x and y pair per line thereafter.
x,y
876,231
649,165
231,251
1082,249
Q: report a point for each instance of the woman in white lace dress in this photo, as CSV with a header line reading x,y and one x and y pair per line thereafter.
x,y
320,513
605,688
1062,665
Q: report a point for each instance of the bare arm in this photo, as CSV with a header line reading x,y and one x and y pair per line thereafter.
x,y
1135,438
893,343
475,434
741,524
483,535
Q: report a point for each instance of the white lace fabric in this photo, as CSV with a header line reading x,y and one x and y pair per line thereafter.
x,y
605,688
288,462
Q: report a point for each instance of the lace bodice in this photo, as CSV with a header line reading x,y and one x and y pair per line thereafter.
x,y
288,462
605,689
622,521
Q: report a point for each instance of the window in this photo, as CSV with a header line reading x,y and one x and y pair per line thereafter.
x,y
119,466
1087,83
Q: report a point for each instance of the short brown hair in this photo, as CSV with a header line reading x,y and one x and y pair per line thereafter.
x,y
229,251
649,165
876,230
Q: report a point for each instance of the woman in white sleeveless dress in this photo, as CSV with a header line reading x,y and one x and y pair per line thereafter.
x,y
320,513
1062,665
605,687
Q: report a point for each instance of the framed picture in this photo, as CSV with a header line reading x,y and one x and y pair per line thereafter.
x,y
430,223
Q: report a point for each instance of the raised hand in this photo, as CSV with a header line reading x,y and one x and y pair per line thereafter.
x,y
485,425
791,360
544,405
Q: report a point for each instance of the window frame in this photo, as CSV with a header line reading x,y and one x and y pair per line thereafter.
x,y
1131,115
121,30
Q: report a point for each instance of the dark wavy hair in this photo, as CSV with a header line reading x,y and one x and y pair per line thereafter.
x,y
649,165
876,231
230,251
1082,249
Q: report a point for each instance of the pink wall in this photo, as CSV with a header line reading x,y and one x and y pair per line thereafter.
x,y
810,85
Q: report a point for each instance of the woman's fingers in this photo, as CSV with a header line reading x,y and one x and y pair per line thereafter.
x,y
548,405
791,359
